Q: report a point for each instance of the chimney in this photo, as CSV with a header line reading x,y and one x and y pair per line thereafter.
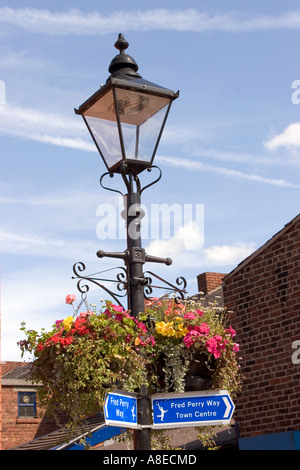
x,y
209,281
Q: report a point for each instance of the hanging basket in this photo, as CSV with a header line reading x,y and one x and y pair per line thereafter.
x,y
198,375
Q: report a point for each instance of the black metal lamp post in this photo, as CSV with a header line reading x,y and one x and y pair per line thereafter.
x,y
126,118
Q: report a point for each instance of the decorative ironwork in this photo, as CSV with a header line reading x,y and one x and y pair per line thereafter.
x,y
136,284
121,281
128,182
178,292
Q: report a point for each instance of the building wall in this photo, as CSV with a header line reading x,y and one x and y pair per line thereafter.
x,y
264,295
208,281
15,430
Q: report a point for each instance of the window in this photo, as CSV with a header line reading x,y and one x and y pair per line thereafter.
x,y
26,404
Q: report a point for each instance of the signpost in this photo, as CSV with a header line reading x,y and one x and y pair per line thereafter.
x,y
174,410
171,410
120,409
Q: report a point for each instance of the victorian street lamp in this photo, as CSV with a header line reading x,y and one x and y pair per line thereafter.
x,y
126,118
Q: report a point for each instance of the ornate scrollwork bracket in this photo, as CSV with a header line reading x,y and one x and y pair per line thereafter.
x,y
177,291
121,281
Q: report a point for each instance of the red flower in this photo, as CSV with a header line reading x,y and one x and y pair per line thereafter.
x,y
66,341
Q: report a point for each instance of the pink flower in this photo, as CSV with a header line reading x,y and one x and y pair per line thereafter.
x,y
200,313
70,298
231,331
188,341
141,326
151,340
189,316
117,308
194,333
86,314
119,317
203,328
212,347
236,347
215,345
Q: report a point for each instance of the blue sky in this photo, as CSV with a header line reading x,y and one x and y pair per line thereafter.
x,y
231,143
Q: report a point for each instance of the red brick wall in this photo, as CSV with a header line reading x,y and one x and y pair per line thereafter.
x,y
209,281
265,298
16,431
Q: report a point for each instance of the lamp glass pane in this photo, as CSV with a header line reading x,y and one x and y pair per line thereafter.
x,y
102,122
135,108
141,116
103,108
140,141
106,136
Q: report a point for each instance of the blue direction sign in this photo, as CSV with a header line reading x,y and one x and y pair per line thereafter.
x,y
191,409
120,409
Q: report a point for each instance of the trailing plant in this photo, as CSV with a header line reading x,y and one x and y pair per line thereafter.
x,y
87,354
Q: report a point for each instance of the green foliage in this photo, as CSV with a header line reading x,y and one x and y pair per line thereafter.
x,y
83,357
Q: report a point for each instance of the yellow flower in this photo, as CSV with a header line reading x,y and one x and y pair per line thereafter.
x,y
169,330
181,331
160,326
165,329
67,322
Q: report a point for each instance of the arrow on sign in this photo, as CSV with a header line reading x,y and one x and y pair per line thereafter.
x,y
191,409
228,407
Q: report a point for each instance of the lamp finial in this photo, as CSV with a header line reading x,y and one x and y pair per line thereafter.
x,y
121,43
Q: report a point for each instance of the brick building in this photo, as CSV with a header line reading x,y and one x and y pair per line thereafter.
x,y
210,287
20,417
264,294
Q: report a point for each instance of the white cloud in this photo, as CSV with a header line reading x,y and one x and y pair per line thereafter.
x,y
186,247
289,138
189,237
56,129
196,165
221,255
44,127
51,246
79,23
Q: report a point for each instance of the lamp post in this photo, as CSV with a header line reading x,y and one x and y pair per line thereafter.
x,y
126,118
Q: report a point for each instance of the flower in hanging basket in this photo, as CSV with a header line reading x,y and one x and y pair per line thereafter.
x,y
70,298
84,354
186,332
